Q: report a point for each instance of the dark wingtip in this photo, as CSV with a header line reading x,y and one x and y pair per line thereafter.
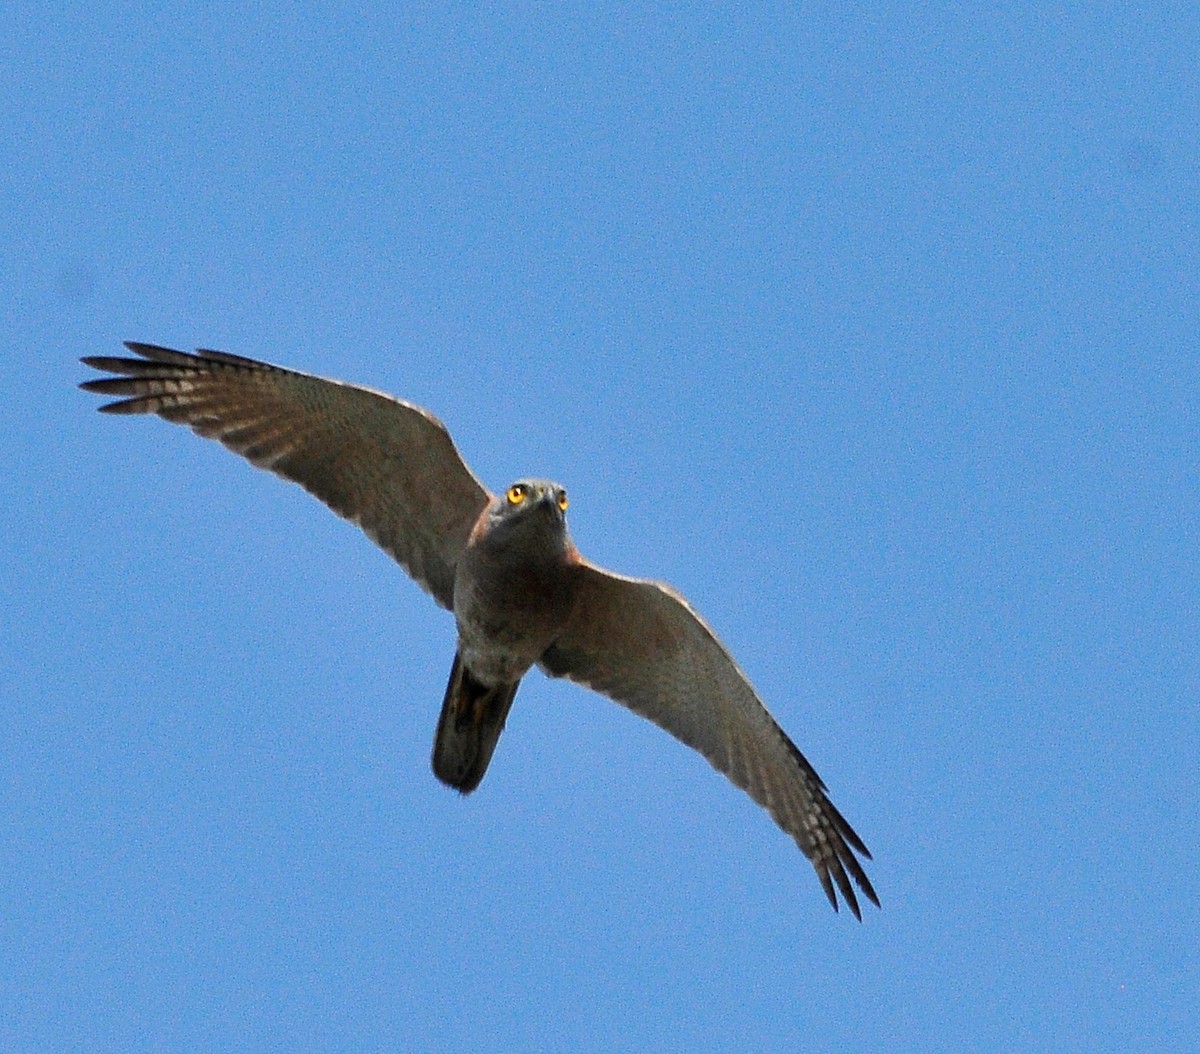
x,y
848,895
104,385
146,351
827,885
164,356
869,892
835,870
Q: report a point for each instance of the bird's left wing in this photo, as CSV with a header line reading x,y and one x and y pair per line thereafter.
x,y
387,465
640,643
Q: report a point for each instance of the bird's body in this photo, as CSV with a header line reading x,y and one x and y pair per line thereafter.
x,y
505,565
514,588
512,596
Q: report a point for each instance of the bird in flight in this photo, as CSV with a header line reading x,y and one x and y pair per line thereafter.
x,y
505,565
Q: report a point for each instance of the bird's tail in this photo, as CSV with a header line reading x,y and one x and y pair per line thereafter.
x,y
473,717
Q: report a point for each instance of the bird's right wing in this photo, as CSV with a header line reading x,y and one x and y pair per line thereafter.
x,y
387,465
640,643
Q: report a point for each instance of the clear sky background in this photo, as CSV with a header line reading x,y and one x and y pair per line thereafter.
x,y
872,328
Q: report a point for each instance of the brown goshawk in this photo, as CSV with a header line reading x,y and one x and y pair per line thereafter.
x,y
506,567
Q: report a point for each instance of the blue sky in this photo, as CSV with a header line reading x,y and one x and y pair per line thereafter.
x,y
873,329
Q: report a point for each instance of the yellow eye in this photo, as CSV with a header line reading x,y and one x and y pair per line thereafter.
x,y
562,500
516,494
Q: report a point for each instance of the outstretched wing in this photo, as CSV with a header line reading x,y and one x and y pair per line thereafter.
x,y
384,464
640,643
